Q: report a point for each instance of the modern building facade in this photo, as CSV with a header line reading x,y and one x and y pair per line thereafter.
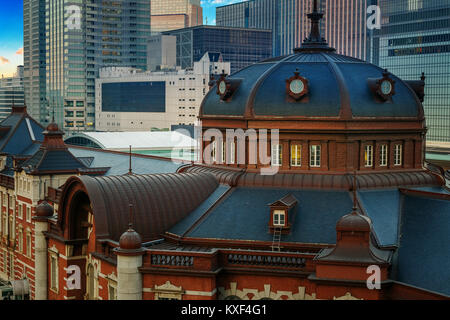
x,y
239,46
129,100
418,33
34,59
11,92
162,52
82,37
175,14
344,23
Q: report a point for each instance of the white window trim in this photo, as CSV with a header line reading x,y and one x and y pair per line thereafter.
x,y
279,214
368,155
54,287
315,158
398,155
298,162
384,155
277,154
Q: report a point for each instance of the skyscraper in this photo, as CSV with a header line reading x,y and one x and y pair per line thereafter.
x,y
80,39
175,14
417,33
34,58
345,30
239,46
11,92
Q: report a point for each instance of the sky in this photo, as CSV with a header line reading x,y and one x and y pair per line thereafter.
x,y
11,30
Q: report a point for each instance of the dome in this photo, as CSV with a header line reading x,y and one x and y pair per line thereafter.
x,y
353,222
52,127
130,240
44,209
338,88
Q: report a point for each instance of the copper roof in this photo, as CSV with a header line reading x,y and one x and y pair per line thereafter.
x,y
159,201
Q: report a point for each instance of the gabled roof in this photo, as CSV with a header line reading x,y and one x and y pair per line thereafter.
x,y
18,132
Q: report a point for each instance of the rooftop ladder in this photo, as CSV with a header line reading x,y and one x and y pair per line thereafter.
x,y
276,239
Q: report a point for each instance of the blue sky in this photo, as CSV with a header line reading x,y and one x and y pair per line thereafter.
x,y
11,35
11,30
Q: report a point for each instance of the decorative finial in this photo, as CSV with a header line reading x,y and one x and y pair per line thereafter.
x,y
314,42
355,206
130,169
130,218
423,76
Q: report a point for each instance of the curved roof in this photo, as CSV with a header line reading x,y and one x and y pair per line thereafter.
x,y
137,140
159,201
338,88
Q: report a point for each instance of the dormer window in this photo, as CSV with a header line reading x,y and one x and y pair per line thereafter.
x,y
279,218
282,214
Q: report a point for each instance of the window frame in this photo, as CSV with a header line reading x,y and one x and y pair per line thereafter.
x,y
384,155
276,154
368,156
296,155
276,218
398,155
315,157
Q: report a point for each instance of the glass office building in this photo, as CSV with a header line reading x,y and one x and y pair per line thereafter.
x,y
11,92
239,46
415,38
343,26
34,59
83,36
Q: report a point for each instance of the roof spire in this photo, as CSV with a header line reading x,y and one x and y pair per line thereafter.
x,y
314,42
355,206
130,169
130,217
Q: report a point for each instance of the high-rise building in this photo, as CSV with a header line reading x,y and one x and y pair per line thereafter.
x,y
83,36
11,92
34,58
175,14
345,30
239,46
417,33
162,52
129,100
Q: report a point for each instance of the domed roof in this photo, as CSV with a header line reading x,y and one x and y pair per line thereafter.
x,y
44,209
339,87
130,240
353,222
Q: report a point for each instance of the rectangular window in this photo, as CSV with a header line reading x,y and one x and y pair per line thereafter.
x,y
224,148
296,155
232,152
28,214
277,154
54,273
314,159
279,218
20,211
383,155
29,245
398,155
111,292
20,241
214,151
368,156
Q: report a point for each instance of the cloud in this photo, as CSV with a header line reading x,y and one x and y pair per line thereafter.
x,y
3,60
20,51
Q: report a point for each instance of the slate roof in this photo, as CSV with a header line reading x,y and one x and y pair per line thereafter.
x,y
52,161
263,90
424,252
19,132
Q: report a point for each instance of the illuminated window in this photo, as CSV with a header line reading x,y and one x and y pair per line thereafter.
x,y
398,155
296,155
368,156
314,157
277,154
383,155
